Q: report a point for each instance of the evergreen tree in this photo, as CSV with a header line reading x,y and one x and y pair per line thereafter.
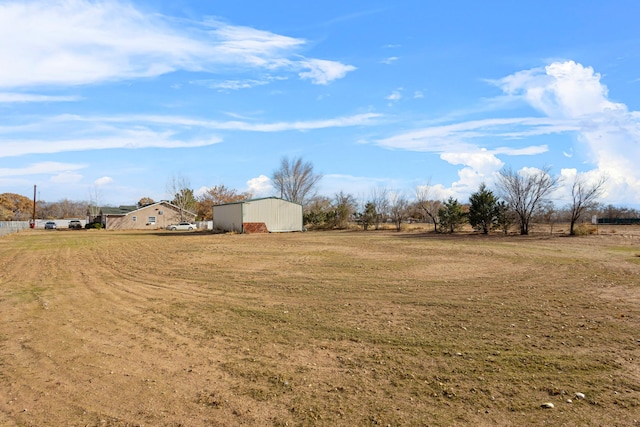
x,y
506,217
451,215
483,212
368,217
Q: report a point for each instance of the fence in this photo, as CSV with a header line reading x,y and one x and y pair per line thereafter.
x,y
8,227
204,225
619,221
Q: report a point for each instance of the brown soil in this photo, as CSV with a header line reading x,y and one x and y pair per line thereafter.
x,y
321,328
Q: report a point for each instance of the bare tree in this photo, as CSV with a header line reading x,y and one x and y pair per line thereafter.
x,y
547,213
583,197
380,200
344,206
63,209
398,205
93,207
429,207
181,195
525,192
295,180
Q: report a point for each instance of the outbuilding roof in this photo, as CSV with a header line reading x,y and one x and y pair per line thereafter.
x,y
257,200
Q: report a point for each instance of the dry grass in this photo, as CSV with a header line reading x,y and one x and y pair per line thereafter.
x,y
319,328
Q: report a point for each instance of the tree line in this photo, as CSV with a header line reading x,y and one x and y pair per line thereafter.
x,y
519,199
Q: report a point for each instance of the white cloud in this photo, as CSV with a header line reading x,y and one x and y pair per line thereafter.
x,y
66,178
8,97
573,100
437,191
77,42
41,168
260,186
231,84
322,72
129,139
561,89
344,121
105,180
132,132
390,60
395,96
480,166
568,177
607,130
458,136
201,191
418,94
483,162
237,84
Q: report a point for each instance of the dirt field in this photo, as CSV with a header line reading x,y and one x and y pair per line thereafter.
x,y
320,328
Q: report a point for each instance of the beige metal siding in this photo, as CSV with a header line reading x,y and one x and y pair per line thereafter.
x,y
228,217
279,215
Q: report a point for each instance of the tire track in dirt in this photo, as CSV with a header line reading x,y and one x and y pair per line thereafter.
x,y
126,329
103,347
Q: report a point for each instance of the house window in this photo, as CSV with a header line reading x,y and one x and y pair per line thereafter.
x,y
134,218
152,220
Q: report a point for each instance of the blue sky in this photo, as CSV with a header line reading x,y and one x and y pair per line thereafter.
x,y
115,98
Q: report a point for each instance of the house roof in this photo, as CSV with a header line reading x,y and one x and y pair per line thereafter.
x,y
120,210
127,209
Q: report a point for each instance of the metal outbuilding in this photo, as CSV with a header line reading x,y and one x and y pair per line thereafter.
x,y
269,214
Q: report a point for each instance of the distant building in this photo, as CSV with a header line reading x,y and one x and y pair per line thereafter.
x,y
151,217
266,215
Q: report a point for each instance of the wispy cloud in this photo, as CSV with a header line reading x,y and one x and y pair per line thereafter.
x,y
8,97
460,136
321,71
144,131
105,180
236,84
79,42
234,125
41,168
352,16
389,60
394,96
608,132
571,99
128,139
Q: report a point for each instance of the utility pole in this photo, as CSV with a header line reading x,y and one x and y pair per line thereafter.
x,y
33,218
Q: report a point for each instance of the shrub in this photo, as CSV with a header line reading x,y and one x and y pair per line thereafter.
x,y
585,230
93,225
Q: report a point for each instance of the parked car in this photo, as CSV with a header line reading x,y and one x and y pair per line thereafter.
x,y
49,225
75,224
182,226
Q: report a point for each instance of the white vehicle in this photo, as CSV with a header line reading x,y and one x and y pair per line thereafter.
x,y
187,226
